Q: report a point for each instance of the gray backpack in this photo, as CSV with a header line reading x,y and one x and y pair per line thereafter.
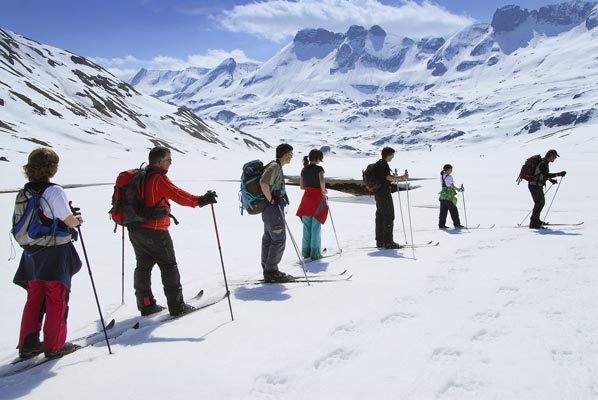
x,y
30,228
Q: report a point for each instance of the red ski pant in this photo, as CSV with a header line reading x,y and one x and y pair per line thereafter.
x,y
51,299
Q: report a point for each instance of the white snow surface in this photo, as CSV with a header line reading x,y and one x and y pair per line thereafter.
x,y
502,313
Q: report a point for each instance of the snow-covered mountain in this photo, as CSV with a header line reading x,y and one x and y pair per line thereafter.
x,y
52,97
525,72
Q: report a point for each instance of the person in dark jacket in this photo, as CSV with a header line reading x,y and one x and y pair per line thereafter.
x,y
274,237
152,242
46,272
536,187
385,211
313,209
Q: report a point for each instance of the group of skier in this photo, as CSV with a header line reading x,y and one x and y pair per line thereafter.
x,y
46,272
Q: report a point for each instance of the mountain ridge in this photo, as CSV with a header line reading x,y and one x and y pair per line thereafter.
x,y
331,86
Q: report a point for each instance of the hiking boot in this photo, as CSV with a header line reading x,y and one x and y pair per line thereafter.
x,y
183,309
153,309
443,227
66,349
29,352
277,276
380,245
459,227
392,245
537,227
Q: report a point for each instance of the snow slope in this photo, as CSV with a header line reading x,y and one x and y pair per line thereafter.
x,y
503,313
49,96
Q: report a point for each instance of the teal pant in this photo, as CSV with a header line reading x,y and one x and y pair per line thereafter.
x,y
311,238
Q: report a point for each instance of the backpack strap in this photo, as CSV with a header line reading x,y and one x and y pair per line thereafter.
x,y
148,173
37,188
278,177
442,178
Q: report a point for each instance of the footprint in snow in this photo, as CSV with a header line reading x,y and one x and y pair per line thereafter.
x,y
406,300
486,316
445,355
397,317
270,385
346,329
536,279
460,388
485,336
508,289
441,290
564,357
334,359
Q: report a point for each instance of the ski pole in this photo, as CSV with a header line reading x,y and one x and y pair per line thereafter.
x,y
553,197
222,262
530,211
464,208
333,228
409,214
401,208
75,211
294,245
122,296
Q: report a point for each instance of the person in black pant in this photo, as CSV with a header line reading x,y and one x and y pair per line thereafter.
x,y
385,211
448,199
536,187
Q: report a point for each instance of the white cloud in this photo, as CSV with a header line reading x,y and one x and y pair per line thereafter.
x,y
278,20
126,67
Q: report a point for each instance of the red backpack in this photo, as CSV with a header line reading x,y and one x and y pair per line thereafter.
x,y
128,199
529,170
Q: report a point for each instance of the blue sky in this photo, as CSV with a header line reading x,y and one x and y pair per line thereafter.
x,y
125,35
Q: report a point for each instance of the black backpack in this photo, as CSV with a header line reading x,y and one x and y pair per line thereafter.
x,y
370,178
529,169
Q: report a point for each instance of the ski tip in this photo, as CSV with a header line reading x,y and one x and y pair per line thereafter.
x,y
198,295
136,326
110,324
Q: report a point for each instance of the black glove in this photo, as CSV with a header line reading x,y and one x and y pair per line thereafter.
x,y
553,181
208,198
563,173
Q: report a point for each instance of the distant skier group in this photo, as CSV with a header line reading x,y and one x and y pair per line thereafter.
x,y
44,225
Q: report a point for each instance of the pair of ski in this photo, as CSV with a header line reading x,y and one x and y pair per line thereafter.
x,y
21,365
468,228
325,254
431,243
313,278
547,224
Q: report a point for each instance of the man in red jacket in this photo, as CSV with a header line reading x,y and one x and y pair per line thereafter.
x,y
152,242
